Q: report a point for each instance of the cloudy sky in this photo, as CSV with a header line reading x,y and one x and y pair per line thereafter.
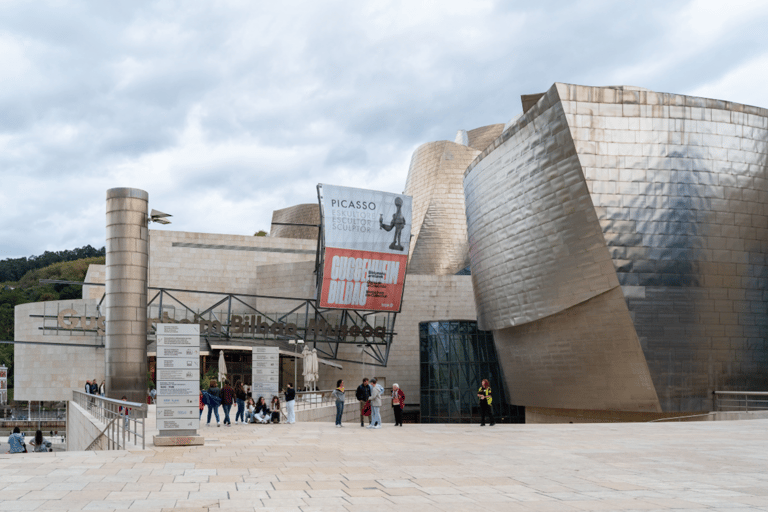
x,y
224,111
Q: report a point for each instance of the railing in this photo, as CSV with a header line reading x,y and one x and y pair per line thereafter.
x,y
23,415
740,401
118,427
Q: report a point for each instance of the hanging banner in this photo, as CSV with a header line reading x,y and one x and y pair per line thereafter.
x,y
366,236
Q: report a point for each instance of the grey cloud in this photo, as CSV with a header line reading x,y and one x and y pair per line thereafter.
x,y
286,98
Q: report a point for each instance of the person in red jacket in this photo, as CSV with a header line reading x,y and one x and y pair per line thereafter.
x,y
398,402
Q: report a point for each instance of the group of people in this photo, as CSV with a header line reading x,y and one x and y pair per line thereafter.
x,y
92,387
17,444
248,410
369,395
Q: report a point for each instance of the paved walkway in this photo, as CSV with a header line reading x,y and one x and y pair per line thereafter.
x,y
674,466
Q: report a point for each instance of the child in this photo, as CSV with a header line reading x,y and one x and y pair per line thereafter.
x,y
124,411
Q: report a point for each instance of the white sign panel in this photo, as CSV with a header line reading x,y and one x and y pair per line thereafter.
x,y
178,351
178,424
176,387
178,401
177,413
178,329
265,390
185,363
165,374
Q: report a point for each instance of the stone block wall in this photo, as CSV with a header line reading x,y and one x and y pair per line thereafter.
x,y
50,372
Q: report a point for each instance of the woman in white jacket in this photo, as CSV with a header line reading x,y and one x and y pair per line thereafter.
x,y
375,404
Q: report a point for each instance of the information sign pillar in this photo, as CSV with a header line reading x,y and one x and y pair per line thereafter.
x,y
266,373
178,385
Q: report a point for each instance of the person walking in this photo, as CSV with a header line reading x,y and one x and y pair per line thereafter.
x,y
214,399
103,388
375,400
398,402
290,404
240,397
227,399
338,394
153,394
484,394
362,394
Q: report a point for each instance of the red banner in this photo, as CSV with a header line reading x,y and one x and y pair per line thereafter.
x,y
362,280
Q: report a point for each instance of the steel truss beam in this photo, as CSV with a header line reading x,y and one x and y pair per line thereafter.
x,y
327,342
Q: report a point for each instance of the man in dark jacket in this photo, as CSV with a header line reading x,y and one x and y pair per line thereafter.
x,y
362,394
94,390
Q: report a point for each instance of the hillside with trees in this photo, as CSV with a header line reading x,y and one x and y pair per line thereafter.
x,y
13,269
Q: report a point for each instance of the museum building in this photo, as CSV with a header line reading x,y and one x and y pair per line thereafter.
x,y
601,257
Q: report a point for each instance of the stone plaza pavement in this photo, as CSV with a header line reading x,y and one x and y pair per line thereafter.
x,y
313,466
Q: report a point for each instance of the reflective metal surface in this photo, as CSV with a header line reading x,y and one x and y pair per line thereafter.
x,y
298,214
659,197
439,233
126,294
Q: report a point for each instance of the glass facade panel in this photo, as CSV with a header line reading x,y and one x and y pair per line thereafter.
x,y
455,357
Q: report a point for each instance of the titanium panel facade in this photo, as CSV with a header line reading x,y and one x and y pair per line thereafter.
x,y
308,213
677,186
439,241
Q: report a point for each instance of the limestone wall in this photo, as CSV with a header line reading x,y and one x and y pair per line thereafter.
x,y
50,372
82,429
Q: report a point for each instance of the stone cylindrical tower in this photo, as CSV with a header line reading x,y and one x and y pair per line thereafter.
x,y
126,293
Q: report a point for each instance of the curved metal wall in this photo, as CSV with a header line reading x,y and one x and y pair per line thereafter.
x,y
676,186
680,190
439,241
300,214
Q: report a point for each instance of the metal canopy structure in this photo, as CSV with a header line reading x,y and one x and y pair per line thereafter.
x,y
324,329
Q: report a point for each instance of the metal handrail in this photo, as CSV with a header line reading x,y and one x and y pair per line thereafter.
x,y
740,401
107,410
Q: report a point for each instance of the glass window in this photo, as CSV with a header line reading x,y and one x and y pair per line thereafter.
x,y
455,357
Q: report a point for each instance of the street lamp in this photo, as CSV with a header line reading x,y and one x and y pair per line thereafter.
x,y
295,344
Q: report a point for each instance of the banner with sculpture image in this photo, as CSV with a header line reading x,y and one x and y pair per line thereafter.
x,y
366,236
